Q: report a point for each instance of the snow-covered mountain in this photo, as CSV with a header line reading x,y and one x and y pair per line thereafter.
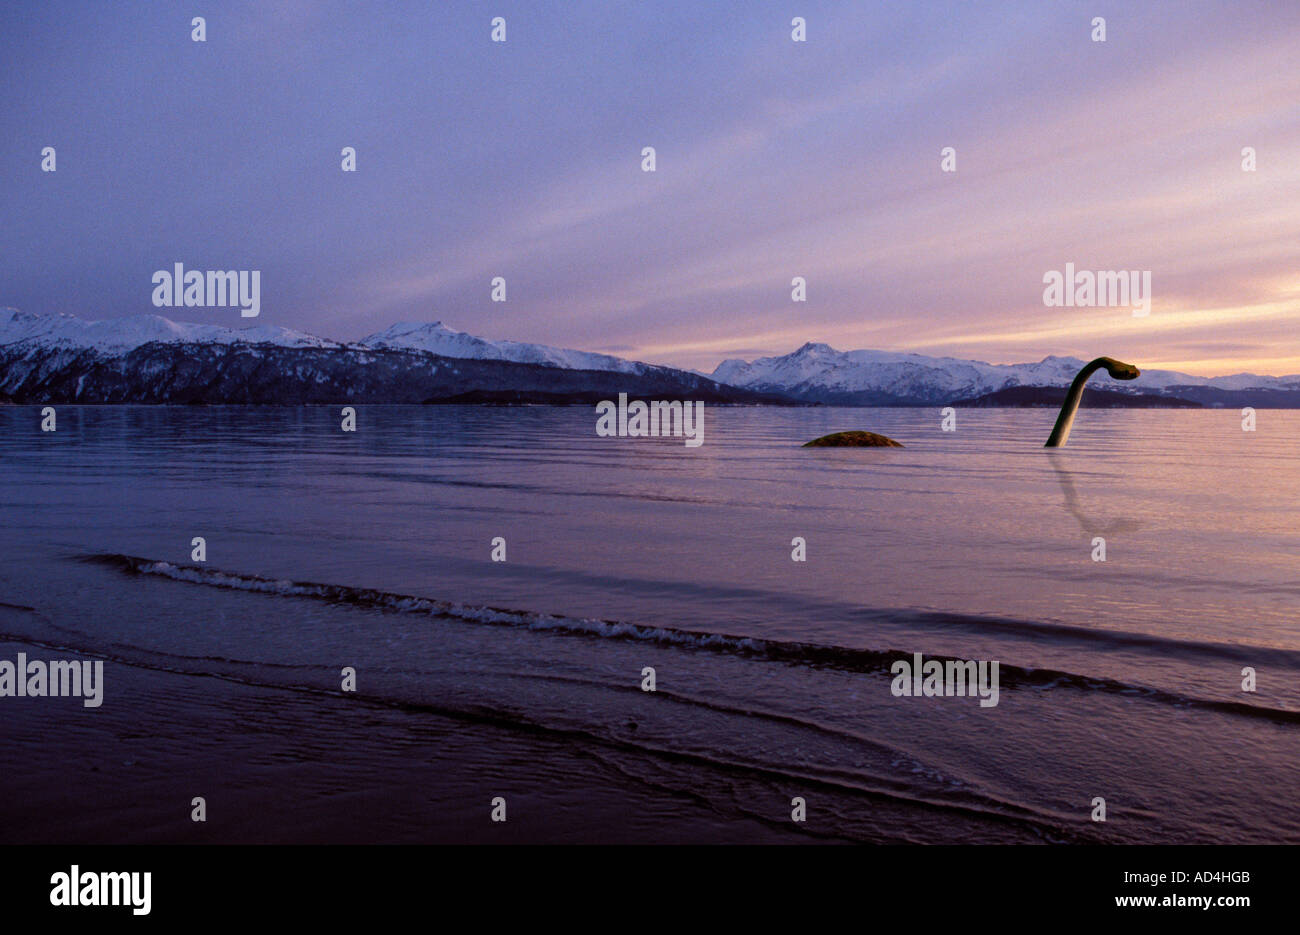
x,y
115,335
40,354
820,373
437,338
149,359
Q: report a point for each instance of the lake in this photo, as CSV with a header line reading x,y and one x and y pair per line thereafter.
x,y
522,680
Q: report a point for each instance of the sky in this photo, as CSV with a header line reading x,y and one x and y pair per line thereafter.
x,y
774,159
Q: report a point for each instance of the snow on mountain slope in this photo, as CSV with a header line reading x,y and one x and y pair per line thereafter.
x,y
150,360
817,371
437,338
118,335
814,372
114,336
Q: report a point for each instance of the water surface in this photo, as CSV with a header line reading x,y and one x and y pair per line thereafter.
x,y
1120,679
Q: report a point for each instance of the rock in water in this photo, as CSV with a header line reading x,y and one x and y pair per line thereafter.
x,y
853,440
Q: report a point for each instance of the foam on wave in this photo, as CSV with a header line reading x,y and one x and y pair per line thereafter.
x,y
792,652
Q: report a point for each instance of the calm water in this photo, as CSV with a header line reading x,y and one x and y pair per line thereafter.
x,y
1119,679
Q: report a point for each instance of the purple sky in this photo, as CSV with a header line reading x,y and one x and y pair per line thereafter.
x,y
775,159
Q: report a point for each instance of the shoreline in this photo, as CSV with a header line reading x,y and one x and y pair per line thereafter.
x,y
315,770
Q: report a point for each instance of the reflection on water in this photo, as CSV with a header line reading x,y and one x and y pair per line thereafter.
x,y
1124,676
1091,525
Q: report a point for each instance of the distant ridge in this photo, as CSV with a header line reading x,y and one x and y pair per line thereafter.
x,y
1051,397
149,359
48,357
819,373
437,338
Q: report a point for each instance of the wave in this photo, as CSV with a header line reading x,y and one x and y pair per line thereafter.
x,y
949,804
783,651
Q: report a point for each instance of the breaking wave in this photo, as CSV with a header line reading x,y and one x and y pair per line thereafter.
x,y
783,651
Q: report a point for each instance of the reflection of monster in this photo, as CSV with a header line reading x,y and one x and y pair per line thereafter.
x,y
1064,421
1072,506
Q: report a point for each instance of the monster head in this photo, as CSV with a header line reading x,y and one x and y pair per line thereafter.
x,y
1119,370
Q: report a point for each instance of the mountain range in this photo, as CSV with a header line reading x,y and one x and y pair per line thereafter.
x,y
822,374
148,358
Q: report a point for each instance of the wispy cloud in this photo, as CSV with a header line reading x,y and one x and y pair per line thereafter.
x,y
776,160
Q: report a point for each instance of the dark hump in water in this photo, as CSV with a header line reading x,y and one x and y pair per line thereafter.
x,y
853,440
